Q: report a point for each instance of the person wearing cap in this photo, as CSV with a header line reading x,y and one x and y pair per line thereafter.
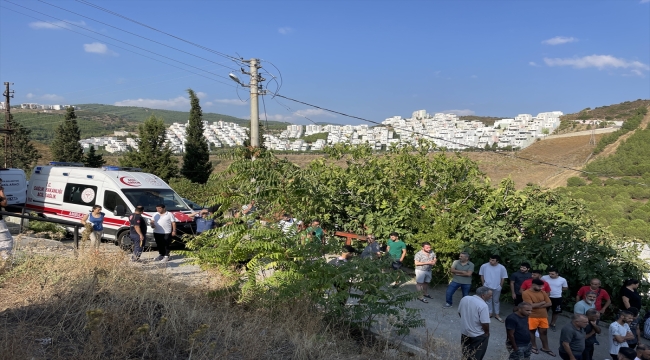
x,y
203,221
138,232
6,240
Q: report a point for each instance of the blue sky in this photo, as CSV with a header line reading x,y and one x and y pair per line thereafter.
x,y
373,59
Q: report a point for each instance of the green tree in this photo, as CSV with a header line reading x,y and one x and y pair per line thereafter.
x,y
196,158
66,146
92,159
153,153
23,153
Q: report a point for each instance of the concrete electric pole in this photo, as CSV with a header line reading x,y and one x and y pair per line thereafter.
x,y
255,106
256,90
7,130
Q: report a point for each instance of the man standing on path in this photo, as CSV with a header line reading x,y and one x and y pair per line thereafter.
x,y
582,306
517,279
475,324
572,338
492,276
425,259
518,343
601,294
396,248
535,274
619,333
138,232
538,320
164,227
462,270
591,330
558,284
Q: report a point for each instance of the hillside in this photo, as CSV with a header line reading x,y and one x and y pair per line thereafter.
x,y
99,119
613,112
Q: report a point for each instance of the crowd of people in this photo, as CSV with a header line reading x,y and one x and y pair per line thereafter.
x,y
534,295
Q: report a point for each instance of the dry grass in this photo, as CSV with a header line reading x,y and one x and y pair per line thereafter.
x,y
101,307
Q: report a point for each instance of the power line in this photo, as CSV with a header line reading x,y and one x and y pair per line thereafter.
x,y
463,145
140,36
87,3
118,40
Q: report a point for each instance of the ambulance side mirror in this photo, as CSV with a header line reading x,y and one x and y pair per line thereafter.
x,y
119,210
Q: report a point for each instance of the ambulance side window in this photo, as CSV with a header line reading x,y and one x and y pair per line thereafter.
x,y
80,194
112,200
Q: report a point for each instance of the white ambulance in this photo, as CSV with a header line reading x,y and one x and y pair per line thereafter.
x,y
68,191
15,184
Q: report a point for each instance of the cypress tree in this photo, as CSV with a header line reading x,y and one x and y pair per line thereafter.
x,y
94,160
196,158
153,155
66,146
23,153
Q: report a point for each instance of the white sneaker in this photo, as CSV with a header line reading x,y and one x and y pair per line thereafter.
x,y
159,258
165,259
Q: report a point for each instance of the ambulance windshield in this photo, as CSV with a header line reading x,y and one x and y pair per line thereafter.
x,y
149,198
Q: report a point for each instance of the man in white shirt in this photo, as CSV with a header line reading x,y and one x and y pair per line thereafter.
x,y
287,223
619,333
164,227
558,284
475,323
492,276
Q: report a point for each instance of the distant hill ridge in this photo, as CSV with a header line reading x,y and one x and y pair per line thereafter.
x,y
620,111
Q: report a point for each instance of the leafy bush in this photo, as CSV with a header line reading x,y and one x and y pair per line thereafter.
x,y
576,181
424,196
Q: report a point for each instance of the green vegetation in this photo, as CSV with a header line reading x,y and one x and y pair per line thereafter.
x,y
630,124
66,146
424,197
43,125
196,158
620,111
93,159
135,114
313,137
153,154
23,154
621,201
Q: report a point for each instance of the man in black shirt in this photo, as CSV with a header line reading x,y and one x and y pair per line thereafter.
x,y
518,278
591,330
518,335
138,232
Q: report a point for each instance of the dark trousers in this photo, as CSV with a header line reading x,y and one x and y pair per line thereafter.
x,y
588,354
163,241
474,348
137,249
565,356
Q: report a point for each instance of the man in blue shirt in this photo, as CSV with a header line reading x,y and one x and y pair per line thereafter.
x,y
203,223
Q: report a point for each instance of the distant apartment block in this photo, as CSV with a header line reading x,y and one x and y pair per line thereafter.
x,y
35,106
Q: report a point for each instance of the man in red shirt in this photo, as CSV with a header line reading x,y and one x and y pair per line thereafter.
x,y
536,274
601,294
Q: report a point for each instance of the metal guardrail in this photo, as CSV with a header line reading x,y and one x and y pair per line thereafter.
x,y
74,224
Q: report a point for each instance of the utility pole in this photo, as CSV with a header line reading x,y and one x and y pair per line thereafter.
x,y
255,85
7,130
255,107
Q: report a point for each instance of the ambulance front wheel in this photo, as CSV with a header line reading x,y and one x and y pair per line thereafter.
x,y
123,241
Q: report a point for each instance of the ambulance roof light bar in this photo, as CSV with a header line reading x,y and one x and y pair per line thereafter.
x,y
120,168
64,163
